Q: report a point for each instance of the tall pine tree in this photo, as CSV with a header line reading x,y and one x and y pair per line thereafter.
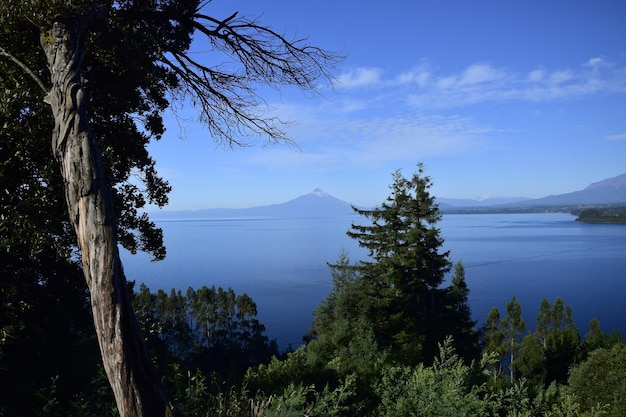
x,y
409,310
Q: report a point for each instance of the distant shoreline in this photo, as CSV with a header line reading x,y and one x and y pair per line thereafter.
x,y
601,213
604,215
607,221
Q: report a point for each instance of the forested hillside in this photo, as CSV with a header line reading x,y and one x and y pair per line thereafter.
x,y
388,340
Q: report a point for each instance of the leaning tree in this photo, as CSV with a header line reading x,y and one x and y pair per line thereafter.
x,y
107,70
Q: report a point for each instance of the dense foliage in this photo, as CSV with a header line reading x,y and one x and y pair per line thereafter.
x,y
399,290
214,359
208,329
602,215
92,79
602,379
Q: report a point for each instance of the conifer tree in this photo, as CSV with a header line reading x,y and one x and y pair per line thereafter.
x,y
458,318
407,267
342,334
596,338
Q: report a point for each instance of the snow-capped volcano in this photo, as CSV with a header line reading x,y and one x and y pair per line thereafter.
x,y
314,204
320,193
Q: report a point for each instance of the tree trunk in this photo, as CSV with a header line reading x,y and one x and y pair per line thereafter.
x,y
126,361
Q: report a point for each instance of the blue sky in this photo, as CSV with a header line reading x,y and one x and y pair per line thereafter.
x,y
497,99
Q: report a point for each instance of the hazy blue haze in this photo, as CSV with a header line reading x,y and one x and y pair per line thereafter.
x,y
281,263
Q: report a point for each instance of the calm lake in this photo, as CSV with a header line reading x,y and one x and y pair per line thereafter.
x,y
281,264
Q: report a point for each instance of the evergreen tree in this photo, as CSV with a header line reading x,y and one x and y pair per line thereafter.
x,y
205,330
409,311
45,318
596,338
46,333
458,318
342,335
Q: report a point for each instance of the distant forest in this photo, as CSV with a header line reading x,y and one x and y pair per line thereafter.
x,y
615,215
596,214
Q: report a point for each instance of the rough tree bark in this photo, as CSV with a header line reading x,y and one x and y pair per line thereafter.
x,y
126,361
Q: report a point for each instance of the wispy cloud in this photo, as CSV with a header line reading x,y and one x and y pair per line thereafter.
x,y
404,138
481,83
378,119
359,77
336,143
480,73
421,75
427,87
621,136
536,76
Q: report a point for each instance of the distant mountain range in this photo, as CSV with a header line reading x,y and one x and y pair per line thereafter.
x,y
449,203
608,191
611,191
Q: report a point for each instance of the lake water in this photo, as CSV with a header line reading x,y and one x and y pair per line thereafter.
x,y
281,264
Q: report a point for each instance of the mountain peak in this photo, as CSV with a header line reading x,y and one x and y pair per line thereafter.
x,y
615,182
608,191
320,193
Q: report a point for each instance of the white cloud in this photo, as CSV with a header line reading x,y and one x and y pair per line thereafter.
x,y
475,74
594,62
447,82
621,136
419,75
562,76
536,75
374,127
480,73
360,77
484,83
426,87
338,143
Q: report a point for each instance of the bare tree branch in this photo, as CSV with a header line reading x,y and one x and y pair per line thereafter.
x,y
228,107
25,68
226,95
267,54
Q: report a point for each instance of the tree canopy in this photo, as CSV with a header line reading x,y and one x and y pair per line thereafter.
x,y
395,301
98,76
